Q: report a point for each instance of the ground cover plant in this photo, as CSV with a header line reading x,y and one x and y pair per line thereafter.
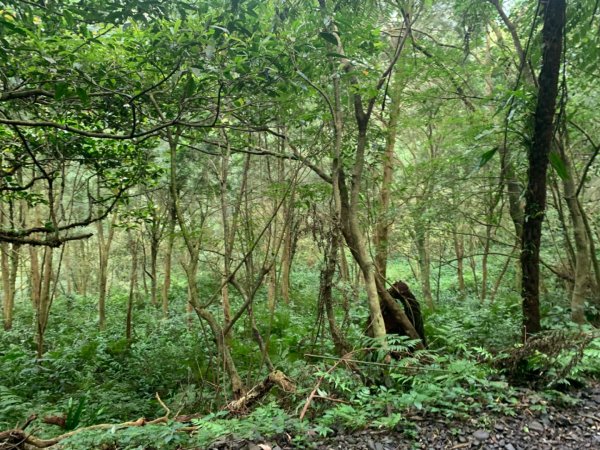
x,y
223,222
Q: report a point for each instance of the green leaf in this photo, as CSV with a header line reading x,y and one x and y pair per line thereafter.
x,y
559,166
329,37
7,25
60,90
486,157
190,87
82,94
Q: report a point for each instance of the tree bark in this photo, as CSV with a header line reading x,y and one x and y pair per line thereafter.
x,y
582,248
133,250
459,250
104,244
168,258
422,242
325,291
384,221
535,194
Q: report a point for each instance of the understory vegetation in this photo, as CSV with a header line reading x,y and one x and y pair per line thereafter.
x,y
97,377
241,219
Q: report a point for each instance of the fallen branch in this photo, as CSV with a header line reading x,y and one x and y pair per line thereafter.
x,y
16,437
260,390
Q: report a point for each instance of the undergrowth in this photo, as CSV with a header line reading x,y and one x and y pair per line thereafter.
x,y
94,377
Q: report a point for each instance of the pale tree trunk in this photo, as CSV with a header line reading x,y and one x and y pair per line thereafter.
x,y
168,258
288,248
10,264
568,264
347,196
41,284
10,256
582,248
228,232
384,220
192,246
154,248
83,272
423,251
484,260
104,244
459,250
592,253
133,251
286,261
508,177
69,273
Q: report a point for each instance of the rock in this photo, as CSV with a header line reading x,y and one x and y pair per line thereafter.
x,y
252,446
534,425
509,447
481,435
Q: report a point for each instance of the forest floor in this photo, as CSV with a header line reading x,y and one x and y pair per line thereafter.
x,y
536,424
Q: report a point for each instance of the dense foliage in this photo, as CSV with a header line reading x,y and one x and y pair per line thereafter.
x,y
197,194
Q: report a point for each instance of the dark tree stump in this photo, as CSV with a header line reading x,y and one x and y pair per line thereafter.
x,y
401,292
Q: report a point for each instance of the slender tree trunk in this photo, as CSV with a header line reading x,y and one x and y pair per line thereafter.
x,y
104,245
384,221
565,227
535,194
41,281
9,268
582,248
422,243
133,251
325,292
286,262
592,253
168,258
484,260
501,276
154,246
227,234
10,265
83,273
346,196
192,246
459,250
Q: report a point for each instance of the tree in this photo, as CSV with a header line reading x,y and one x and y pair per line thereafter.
x,y
535,193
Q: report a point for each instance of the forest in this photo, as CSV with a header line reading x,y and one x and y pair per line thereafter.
x,y
277,224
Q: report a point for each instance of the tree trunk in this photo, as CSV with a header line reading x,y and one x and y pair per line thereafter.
x,y
104,244
422,243
166,287
384,221
154,246
10,266
459,249
325,291
582,248
41,281
535,194
133,251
